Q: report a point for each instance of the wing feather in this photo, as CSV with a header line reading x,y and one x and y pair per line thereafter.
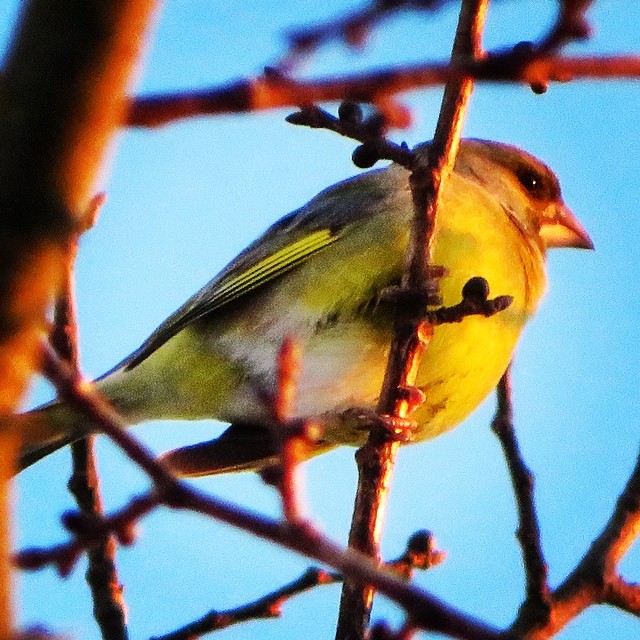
x,y
284,246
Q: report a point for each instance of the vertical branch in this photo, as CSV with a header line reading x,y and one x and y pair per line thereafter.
x,y
376,459
537,604
84,484
109,608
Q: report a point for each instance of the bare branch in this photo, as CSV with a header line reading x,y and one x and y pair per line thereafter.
x,y
624,595
537,604
424,610
569,25
265,92
410,333
419,554
269,606
353,28
84,484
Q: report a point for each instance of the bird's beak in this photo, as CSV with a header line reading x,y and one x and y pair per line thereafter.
x,y
562,229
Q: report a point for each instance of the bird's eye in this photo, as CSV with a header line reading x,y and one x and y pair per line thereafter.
x,y
532,182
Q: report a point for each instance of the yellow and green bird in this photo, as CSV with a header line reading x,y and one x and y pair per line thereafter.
x,y
317,276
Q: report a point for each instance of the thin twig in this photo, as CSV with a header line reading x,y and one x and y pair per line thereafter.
x,y
537,604
269,606
420,553
410,332
353,28
569,25
535,64
102,576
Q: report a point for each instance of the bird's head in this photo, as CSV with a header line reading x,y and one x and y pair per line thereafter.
x,y
528,190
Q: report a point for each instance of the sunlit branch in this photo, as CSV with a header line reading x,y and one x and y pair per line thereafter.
x,y
269,92
411,333
423,609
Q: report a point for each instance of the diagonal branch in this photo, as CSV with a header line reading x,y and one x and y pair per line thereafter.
x,y
268,606
420,553
424,610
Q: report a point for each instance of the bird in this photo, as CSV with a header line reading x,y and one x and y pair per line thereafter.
x,y
319,276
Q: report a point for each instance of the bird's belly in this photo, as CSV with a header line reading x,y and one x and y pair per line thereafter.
x,y
342,369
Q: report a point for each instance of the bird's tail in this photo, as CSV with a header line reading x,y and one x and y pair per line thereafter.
x,y
47,429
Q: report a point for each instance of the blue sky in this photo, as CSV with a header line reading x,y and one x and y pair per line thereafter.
x,y
184,199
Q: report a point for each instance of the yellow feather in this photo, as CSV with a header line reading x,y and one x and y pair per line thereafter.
x,y
317,276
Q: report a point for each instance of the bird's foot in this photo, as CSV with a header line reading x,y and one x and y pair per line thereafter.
x,y
391,428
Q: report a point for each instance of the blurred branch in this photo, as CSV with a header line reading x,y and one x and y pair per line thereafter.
x,y
62,98
420,553
293,435
273,91
68,85
424,610
410,331
353,28
536,64
569,25
102,576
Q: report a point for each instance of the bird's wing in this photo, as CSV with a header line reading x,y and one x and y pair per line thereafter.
x,y
284,246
